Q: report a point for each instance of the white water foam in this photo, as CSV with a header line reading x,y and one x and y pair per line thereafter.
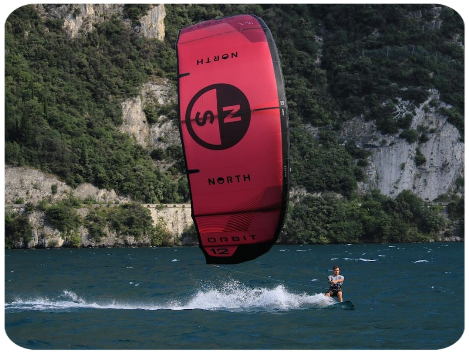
x,y
231,296
359,259
234,295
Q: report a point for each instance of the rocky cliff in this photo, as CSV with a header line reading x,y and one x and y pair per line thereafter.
x,y
163,132
81,18
27,185
392,167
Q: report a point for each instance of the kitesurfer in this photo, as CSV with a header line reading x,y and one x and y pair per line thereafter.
x,y
335,282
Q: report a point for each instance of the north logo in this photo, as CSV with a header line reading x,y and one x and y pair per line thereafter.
x,y
230,179
216,58
218,116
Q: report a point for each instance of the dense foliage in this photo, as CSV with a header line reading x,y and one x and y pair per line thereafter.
x,y
455,211
63,111
371,218
376,53
17,229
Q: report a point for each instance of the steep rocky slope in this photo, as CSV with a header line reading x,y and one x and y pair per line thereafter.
x,y
392,167
81,18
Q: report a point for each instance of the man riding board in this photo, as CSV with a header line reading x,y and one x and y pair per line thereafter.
x,y
335,282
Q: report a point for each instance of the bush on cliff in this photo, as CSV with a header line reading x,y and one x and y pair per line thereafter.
x,y
18,230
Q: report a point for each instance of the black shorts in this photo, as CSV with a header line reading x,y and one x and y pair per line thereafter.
x,y
333,291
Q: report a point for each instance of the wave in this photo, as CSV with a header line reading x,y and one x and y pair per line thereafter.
x,y
230,296
359,259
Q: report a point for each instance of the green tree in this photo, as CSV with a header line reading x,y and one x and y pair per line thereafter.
x,y
63,218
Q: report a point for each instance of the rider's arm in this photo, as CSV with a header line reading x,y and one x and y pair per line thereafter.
x,y
340,280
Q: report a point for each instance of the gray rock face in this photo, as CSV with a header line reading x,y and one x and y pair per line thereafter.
x,y
27,185
392,166
152,25
161,134
23,185
81,18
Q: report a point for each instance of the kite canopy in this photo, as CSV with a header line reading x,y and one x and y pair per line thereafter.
x,y
234,129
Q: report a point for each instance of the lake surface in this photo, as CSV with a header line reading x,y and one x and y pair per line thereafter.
x,y
407,296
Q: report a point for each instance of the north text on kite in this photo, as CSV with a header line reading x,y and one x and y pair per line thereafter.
x,y
215,58
230,179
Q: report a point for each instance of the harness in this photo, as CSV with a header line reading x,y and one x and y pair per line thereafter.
x,y
336,287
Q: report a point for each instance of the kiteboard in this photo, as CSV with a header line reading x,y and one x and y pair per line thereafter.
x,y
346,305
233,124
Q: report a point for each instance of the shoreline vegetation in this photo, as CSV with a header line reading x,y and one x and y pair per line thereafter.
x,y
74,224
325,219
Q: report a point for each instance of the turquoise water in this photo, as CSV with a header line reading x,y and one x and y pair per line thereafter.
x,y
407,296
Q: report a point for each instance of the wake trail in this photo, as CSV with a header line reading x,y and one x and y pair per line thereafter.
x,y
230,296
